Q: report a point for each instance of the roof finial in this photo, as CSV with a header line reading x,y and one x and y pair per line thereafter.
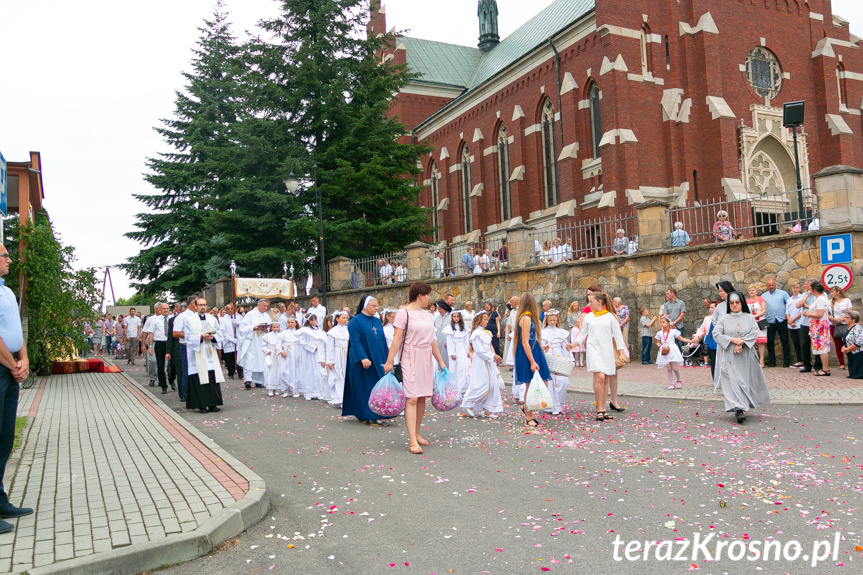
x,y
488,36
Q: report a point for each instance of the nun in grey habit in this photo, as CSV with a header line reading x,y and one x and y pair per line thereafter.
x,y
738,372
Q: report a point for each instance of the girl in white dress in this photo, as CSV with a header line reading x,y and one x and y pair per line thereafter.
x,y
457,344
272,345
387,319
337,357
483,397
311,358
555,341
605,346
290,346
671,361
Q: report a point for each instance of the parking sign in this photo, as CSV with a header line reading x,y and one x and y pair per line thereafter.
x,y
835,249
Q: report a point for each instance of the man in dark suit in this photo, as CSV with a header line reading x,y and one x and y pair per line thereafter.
x,y
172,355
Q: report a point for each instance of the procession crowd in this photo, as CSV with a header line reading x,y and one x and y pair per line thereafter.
x,y
338,357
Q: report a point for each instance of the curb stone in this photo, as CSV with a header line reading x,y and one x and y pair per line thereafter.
x,y
223,525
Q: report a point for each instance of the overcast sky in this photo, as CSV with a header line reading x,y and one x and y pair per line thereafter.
x,y
85,82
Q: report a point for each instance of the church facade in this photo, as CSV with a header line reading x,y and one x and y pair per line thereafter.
x,y
595,106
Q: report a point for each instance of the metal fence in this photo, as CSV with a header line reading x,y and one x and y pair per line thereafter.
x,y
479,256
758,216
585,239
375,270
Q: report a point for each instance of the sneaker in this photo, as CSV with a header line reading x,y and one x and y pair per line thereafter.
x,y
469,412
678,385
672,386
490,415
270,394
286,394
798,364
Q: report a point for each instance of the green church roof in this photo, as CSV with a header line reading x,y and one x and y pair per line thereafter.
x,y
469,68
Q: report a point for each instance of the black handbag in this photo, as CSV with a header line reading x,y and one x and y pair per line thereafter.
x,y
762,324
397,369
840,331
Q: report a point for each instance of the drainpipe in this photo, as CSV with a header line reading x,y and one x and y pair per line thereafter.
x,y
560,111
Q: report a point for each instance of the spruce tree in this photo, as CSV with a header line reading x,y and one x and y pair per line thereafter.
x,y
316,88
180,251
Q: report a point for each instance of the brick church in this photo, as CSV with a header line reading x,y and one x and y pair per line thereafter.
x,y
594,106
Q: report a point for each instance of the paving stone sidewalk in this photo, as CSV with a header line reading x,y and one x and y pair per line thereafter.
x,y
786,385
118,481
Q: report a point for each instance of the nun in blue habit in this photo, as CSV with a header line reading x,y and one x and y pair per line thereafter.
x,y
367,353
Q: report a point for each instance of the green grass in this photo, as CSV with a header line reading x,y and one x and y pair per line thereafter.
x,y
20,424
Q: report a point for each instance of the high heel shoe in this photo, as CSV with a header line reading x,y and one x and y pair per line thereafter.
x,y
616,407
529,422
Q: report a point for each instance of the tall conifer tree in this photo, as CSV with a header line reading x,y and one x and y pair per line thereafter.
x,y
180,252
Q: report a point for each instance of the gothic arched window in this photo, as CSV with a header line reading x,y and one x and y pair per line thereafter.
x,y
466,186
843,90
503,173
646,60
549,165
594,97
435,199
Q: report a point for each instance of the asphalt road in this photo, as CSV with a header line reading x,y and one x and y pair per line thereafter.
x,y
489,496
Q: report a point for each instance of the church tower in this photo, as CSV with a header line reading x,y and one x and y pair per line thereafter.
x,y
488,36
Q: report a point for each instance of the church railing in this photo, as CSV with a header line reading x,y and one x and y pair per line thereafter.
x,y
757,215
368,269
586,239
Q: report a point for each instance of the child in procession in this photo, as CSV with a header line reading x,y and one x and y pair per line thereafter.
x,y
555,341
669,356
482,398
337,357
272,344
312,352
457,345
290,348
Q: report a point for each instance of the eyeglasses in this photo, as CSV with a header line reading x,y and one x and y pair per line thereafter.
x,y
736,301
7,257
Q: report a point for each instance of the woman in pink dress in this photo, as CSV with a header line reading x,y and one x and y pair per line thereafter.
x,y
415,327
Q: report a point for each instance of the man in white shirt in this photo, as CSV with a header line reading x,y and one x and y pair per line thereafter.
x,y
567,248
250,353
156,343
316,308
437,266
486,261
385,272
178,332
132,325
401,273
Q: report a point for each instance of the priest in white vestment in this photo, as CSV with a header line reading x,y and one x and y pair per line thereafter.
x,y
250,352
200,331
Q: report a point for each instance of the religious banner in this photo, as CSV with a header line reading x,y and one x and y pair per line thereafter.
x,y
265,288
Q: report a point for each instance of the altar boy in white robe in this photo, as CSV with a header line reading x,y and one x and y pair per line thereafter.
x,y
554,342
250,354
337,357
312,358
205,372
290,345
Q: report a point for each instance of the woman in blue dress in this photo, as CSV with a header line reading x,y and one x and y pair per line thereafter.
x,y
528,353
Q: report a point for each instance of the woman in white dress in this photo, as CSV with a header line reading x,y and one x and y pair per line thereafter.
x,y
483,397
555,342
457,344
311,358
671,359
290,346
601,330
337,357
272,345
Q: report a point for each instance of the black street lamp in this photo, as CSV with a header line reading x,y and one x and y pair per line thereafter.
x,y
792,117
292,184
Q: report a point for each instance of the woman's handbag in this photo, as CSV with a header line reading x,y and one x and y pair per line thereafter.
x,y
397,368
840,331
558,365
762,324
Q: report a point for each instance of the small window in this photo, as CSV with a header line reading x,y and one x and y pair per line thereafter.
x,y
667,54
694,185
646,63
843,89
